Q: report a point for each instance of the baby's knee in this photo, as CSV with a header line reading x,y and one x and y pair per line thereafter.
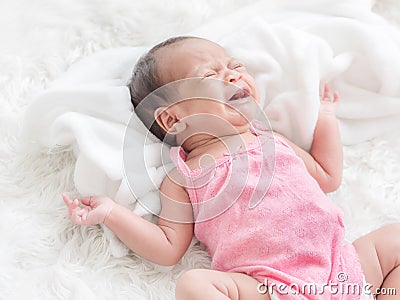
x,y
206,284
391,234
393,228
188,284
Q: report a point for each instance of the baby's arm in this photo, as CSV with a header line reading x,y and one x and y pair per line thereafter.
x,y
325,163
164,243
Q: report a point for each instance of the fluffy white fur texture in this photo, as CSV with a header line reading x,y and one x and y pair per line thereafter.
x,y
43,255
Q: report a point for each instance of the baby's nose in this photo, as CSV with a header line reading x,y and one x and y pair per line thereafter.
x,y
233,77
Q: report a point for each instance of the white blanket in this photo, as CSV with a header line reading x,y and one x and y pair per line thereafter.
x,y
292,49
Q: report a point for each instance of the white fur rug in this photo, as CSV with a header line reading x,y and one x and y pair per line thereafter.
x,y
43,255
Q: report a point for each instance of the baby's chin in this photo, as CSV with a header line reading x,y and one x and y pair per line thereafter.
x,y
240,124
241,117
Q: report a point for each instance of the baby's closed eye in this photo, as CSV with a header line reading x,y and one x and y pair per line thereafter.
x,y
209,74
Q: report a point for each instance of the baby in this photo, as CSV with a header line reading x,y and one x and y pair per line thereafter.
x,y
290,238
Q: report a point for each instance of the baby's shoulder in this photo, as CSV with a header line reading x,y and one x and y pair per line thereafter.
x,y
173,186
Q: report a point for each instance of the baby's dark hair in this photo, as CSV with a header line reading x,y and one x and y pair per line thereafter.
x,y
146,79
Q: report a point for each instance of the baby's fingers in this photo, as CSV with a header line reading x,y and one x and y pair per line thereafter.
x,y
78,215
71,204
327,95
336,97
87,200
67,199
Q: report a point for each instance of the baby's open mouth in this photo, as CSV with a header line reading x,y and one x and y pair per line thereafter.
x,y
240,94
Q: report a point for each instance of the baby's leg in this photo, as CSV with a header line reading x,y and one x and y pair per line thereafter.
x,y
211,284
379,253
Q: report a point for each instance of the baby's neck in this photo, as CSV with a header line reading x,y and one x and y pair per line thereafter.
x,y
216,146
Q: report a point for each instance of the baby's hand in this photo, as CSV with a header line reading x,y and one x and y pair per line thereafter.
x,y
328,105
88,211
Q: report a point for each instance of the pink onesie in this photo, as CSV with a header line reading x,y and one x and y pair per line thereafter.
x,y
291,240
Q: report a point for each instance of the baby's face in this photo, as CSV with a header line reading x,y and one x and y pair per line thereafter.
x,y
205,59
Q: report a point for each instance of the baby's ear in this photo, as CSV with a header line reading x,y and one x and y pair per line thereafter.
x,y
167,119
